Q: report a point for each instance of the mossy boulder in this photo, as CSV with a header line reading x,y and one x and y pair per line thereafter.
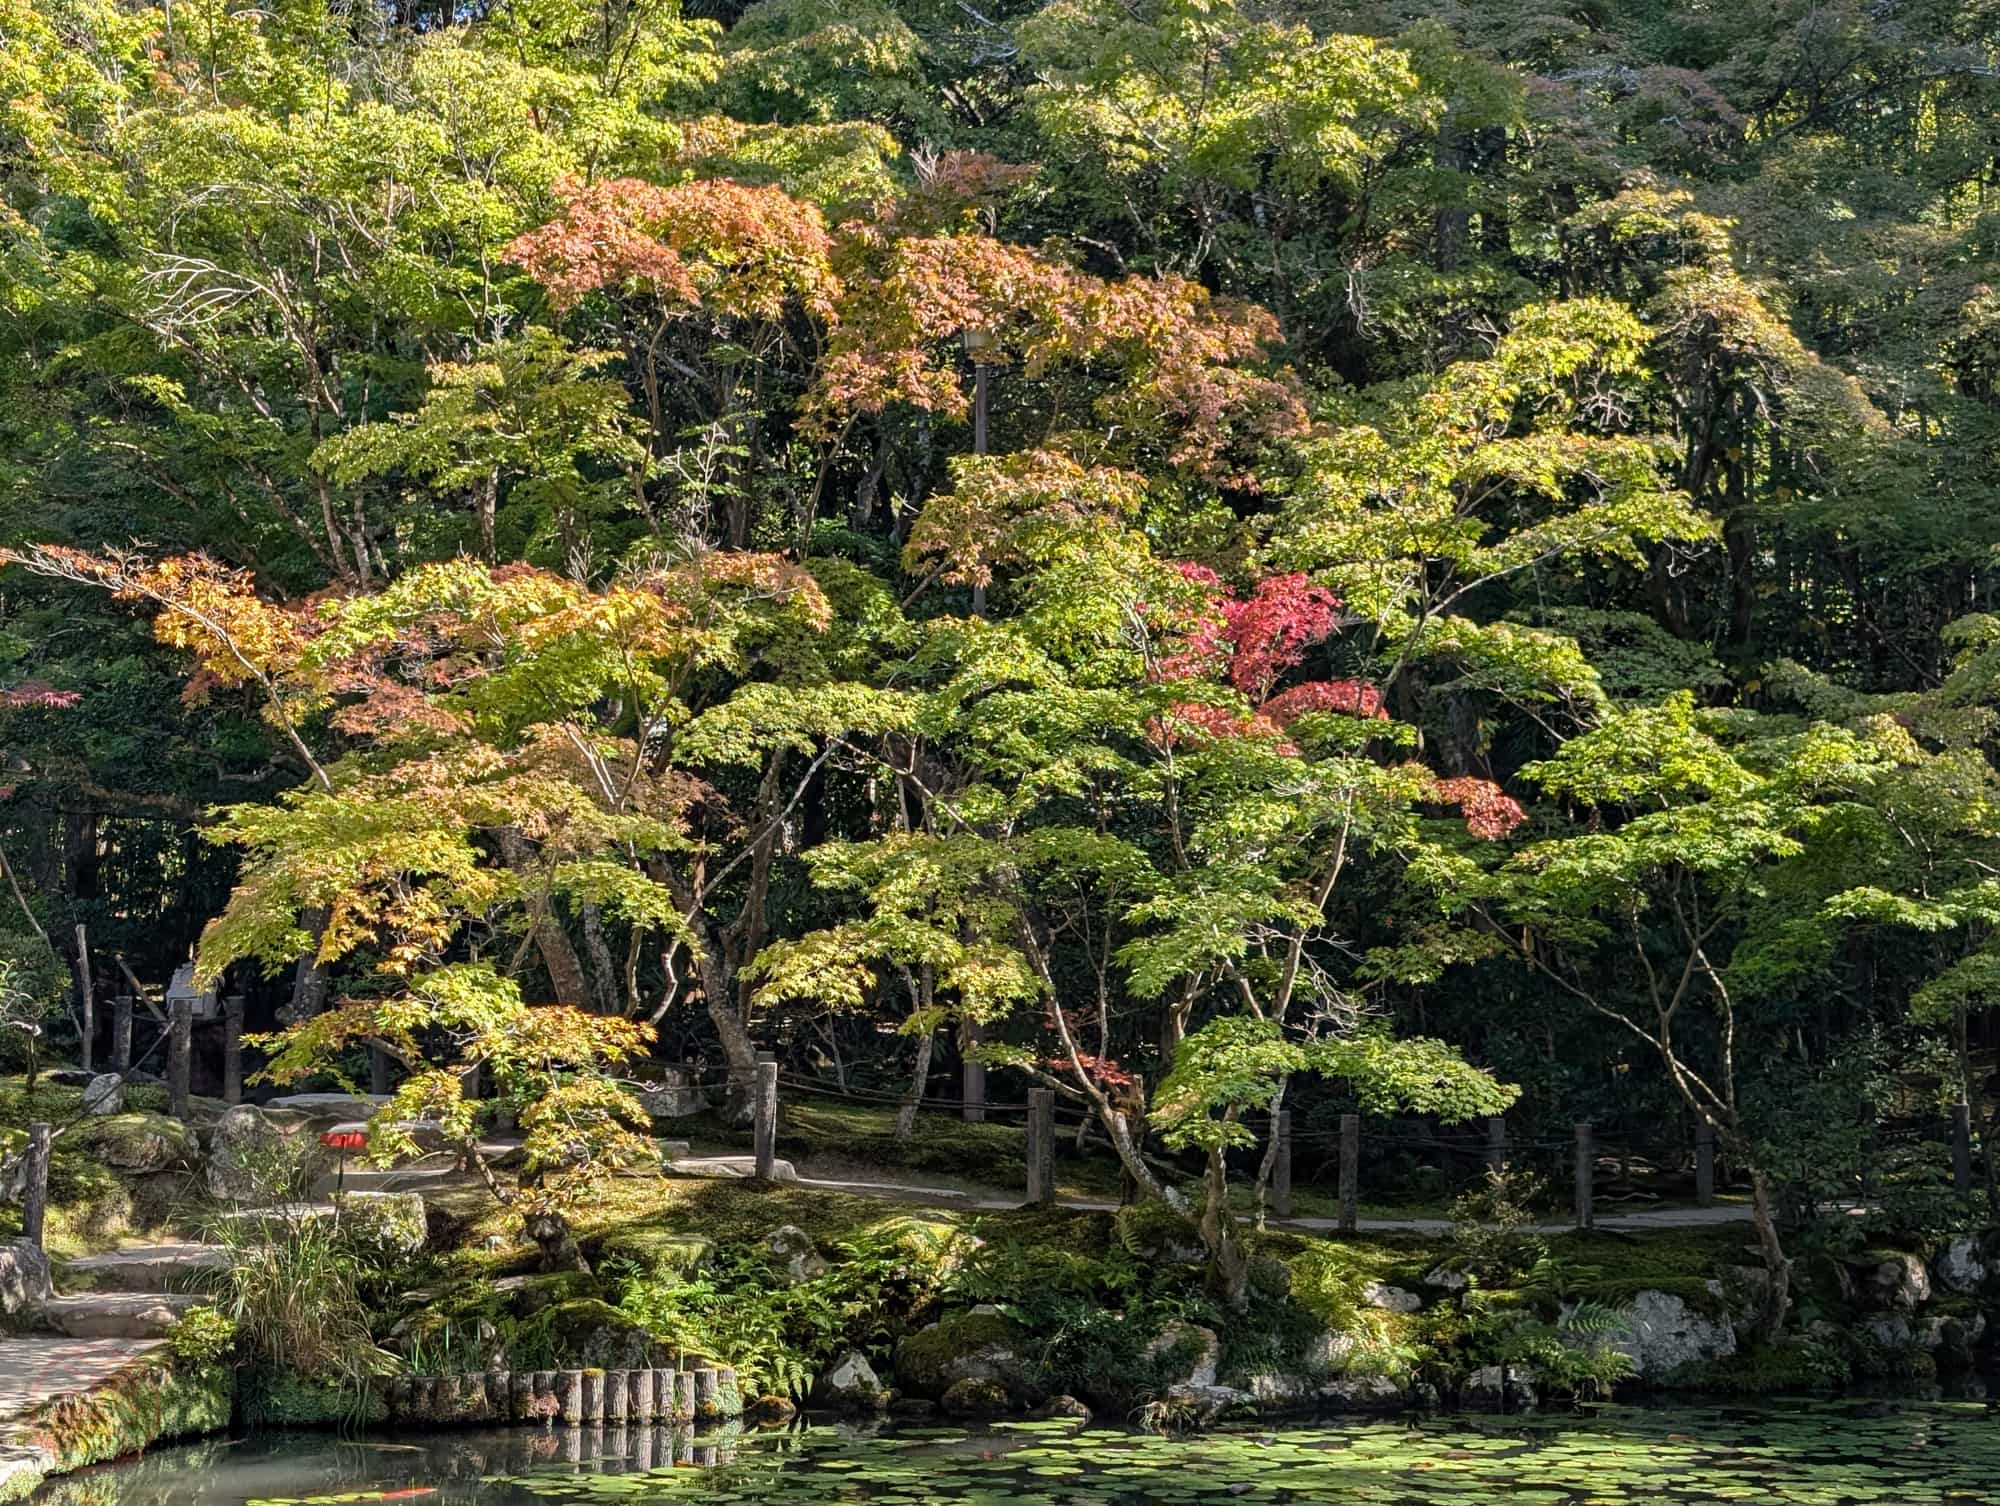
x,y
140,1143
977,1345
590,1334
971,1399
850,1385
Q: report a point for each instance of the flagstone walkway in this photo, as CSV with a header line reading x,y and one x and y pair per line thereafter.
x,y
34,1369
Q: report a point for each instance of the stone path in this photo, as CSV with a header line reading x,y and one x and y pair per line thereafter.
x,y
34,1368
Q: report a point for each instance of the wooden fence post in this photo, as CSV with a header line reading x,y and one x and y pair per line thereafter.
x,y
1704,1163
86,1000
121,1034
1041,1145
1281,1168
1496,1143
232,1049
180,1048
1586,1177
1961,1148
764,1111
1350,1173
35,1192
972,1080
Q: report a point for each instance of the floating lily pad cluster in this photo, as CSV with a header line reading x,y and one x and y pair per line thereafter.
x,y
1860,1454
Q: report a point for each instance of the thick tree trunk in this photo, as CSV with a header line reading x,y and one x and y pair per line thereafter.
x,y
309,980
1229,1264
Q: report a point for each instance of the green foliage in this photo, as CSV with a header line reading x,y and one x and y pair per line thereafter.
x,y
295,1294
202,1336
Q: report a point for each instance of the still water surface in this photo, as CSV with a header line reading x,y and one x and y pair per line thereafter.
x,y
1857,1453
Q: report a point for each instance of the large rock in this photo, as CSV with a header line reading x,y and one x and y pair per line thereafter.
x,y
1276,1390
1662,1333
24,1276
1960,1268
971,1400
1200,1406
140,1143
1899,1280
1330,1352
260,1157
321,1110
851,1385
793,1254
1193,1352
1362,1393
1390,1298
105,1094
975,1345
1499,1388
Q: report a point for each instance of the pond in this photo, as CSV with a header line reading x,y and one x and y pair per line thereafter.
x,y
1818,1454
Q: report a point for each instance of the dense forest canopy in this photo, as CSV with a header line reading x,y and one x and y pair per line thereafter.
x,y
1439,549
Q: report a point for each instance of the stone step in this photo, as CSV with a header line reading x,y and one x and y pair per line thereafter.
x,y
144,1268
116,1315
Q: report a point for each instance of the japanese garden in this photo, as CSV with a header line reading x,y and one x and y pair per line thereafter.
x,y
1066,752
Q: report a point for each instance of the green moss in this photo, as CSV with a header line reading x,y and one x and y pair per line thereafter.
x,y
135,1408
921,1358
1693,1290
139,1140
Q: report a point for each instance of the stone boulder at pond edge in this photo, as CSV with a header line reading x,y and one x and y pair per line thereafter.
x,y
850,1385
976,1345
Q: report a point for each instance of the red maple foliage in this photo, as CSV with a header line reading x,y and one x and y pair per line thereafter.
x,y
1354,697
1488,810
33,694
740,251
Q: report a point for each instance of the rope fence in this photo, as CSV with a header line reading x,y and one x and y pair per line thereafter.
x,y
1491,1146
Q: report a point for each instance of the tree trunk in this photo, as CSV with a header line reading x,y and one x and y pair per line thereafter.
x,y
1229,1265
1778,1299
906,1115
309,980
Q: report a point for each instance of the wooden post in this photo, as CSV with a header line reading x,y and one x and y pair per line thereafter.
x,y
764,1110
639,1396
1704,1163
521,1396
1496,1143
180,1047
1586,1177
617,1397
86,1001
1041,1145
591,1405
681,1387
569,1395
1350,1173
1281,1167
232,1049
35,1191
378,1070
972,1081
121,1034
1961,1148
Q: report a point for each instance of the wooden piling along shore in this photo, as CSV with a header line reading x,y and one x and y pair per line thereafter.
x,y
573,1397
